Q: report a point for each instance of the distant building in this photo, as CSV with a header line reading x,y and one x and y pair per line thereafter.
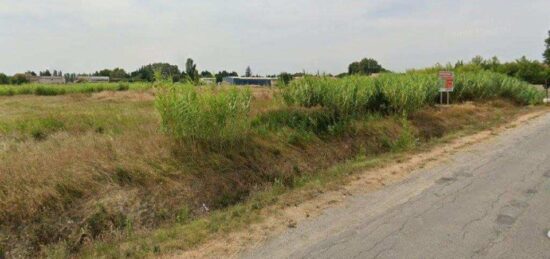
x,y
208,80
46,79
263,81
93,79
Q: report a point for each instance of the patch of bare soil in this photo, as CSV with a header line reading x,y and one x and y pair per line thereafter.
x,y
277,220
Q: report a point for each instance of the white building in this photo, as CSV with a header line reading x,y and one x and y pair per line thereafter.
x,y
93,79
47,79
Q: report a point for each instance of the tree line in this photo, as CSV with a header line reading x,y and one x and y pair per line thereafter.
x,y
147,73
532,71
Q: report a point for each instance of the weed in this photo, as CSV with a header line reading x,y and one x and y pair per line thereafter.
x,y
184,215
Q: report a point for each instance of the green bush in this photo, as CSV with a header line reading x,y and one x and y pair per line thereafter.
x,y
215,117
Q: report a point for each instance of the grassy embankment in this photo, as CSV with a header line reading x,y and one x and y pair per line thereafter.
x,y
49,89
93,174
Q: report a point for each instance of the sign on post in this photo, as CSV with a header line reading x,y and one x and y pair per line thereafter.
x,y
447,85
447,79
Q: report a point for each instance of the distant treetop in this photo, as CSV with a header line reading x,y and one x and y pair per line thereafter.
x,y
366,66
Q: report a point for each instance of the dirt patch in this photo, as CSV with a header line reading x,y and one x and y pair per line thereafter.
x,y
278,219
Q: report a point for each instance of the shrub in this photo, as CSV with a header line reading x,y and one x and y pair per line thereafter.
x,y
215,117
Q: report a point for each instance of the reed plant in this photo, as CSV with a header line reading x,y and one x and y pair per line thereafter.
x,y
211,117
402,93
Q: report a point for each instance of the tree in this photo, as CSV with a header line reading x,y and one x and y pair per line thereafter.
x,y
70,77
191,71
4,79
45,73
366,66
18,79
546,53
220,75
207,74
118,74
248,72
147,73
103,72
285,78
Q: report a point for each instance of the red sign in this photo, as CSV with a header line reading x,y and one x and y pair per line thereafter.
x,y
448,81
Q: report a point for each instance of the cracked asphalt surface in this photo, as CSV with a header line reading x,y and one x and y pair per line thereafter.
x,y
490,200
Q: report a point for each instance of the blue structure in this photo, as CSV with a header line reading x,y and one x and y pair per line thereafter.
x,y
235,80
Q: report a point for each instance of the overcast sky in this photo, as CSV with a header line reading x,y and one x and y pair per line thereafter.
x,y
270,36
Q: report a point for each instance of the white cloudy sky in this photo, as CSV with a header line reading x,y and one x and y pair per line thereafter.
x,y
270,36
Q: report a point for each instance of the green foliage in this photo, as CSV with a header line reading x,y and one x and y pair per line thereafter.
x,y
487,85
357,95
220,75
215,117
400,93
18,79
285,78
206,74
147,73
546,53
118,74
52,90
531,71
318,121
406,140
405,93
366,66
4,79
123,87
48,90
191,71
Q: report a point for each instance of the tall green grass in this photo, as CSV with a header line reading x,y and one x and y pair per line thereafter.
x,y
401,93
47,89
215,117
487,85
320,105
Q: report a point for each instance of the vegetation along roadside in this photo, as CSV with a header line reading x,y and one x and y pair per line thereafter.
x,y
113,184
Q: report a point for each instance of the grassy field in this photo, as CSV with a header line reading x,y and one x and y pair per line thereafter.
x,y
49,89
137,173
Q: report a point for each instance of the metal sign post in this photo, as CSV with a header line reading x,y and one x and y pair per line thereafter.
x,y
546,86
447,82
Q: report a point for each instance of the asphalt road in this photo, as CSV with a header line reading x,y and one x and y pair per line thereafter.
x,y
491,200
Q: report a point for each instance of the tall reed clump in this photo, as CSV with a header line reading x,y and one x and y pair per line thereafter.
x,y
401,93
344,97
405,93
209,117
486,85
